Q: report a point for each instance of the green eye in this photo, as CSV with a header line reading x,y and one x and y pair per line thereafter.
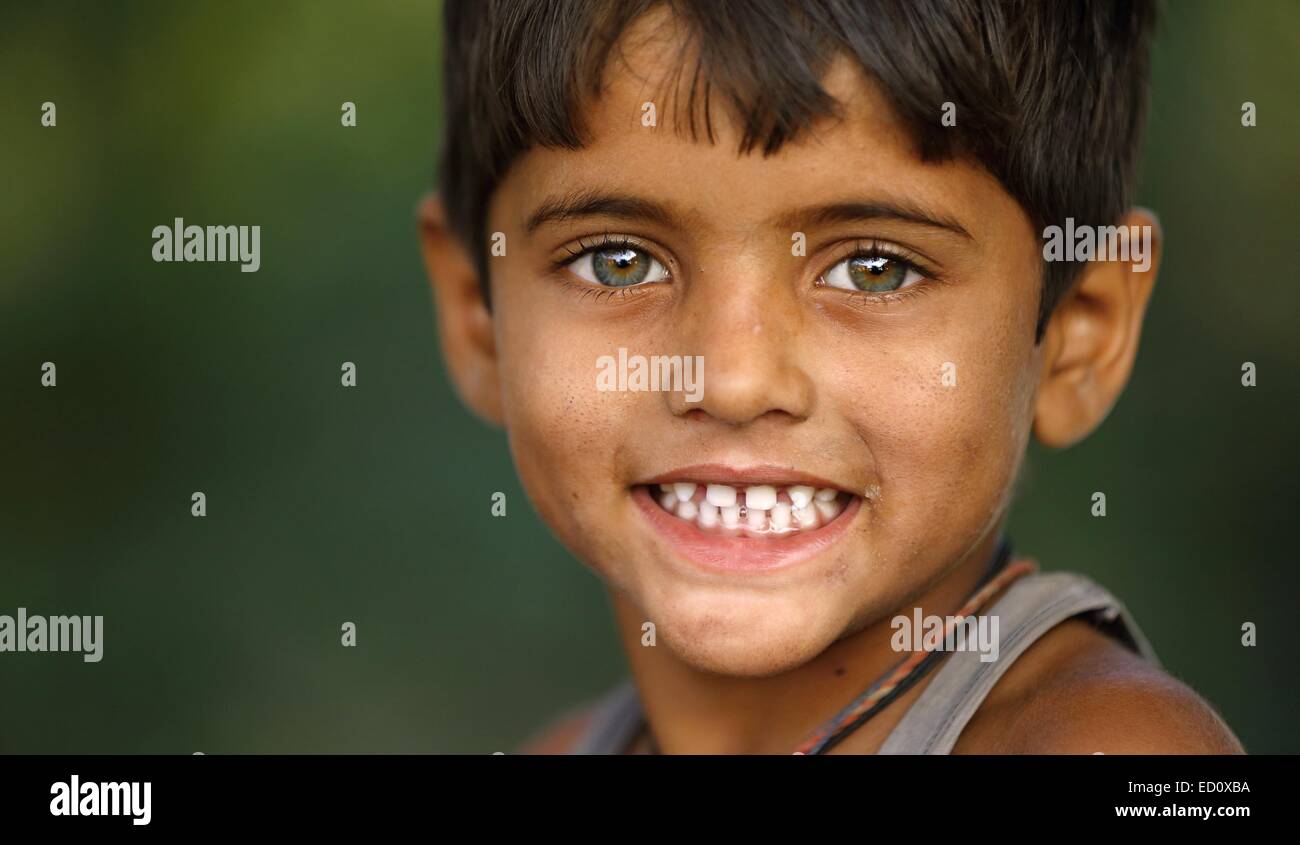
x,y
618,267
872,273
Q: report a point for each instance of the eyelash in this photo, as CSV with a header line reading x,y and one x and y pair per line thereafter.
x,y
584,291
892,252
862,249
605,240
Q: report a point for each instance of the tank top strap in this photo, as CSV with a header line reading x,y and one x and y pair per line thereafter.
x,y
1030,607
615,722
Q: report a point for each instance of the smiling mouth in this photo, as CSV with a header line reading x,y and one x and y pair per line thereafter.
x,y
760,510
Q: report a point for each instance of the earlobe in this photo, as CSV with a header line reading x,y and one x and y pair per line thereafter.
x,y
1092,338
464,322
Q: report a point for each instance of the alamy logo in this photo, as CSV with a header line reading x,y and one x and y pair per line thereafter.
x,y
74,798
179,242
676,373
946,633
57,633
1098,243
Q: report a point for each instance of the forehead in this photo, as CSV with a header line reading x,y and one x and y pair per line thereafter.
x,y
638,142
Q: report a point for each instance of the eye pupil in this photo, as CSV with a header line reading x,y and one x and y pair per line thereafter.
x,y
619,267
877,273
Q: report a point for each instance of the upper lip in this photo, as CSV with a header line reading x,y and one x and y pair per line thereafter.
x,y
740,476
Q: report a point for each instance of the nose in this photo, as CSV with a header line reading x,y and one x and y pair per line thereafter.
x,y
746,329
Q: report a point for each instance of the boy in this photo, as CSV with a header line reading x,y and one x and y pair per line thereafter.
x,y
840,209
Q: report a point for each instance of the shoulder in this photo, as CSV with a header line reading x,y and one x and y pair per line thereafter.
x,y
1077,691
560,734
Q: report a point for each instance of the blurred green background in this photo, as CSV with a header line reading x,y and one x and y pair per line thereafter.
x,y
372,504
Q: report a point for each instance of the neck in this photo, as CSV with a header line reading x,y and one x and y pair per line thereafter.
x,y
695,712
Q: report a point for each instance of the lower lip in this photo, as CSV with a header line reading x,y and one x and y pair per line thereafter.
x,y
740,553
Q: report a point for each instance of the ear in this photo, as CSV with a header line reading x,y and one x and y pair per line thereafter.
x,y
464,324
1091,340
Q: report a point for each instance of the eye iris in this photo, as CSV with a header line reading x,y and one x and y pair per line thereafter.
x,y
620,267
876,273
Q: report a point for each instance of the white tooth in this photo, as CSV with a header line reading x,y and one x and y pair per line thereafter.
x,y
761,497
805,516
800,495
756,519
826,494
665,488
687,510
684,490
708,515
669,502
722,495
828,510
731,516
780,516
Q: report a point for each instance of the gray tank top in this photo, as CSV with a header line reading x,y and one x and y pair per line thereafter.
x,y
1033,605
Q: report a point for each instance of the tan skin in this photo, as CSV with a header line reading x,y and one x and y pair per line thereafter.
x,y
839,383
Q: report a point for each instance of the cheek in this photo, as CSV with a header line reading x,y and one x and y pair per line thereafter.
x,y
946,424
564,434
549,412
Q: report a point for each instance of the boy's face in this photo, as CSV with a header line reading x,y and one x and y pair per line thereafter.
x,y
914,403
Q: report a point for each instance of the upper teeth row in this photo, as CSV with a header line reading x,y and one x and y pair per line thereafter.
x,y
763,511
758,497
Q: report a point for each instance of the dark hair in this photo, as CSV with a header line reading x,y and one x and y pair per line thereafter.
x,y
1050,94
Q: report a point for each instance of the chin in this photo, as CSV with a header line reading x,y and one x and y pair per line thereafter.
x,y
745,636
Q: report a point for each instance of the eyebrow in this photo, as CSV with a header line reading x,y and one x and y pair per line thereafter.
x,y
852,212
589,203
